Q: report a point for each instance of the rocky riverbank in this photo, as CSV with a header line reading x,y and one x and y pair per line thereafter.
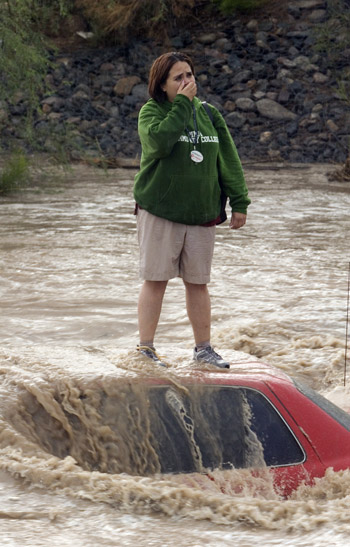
x,y
278,95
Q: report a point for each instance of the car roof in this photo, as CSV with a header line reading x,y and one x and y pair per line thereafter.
x,y
245,373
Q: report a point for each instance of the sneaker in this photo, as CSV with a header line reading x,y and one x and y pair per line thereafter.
x,y
150,353
208,355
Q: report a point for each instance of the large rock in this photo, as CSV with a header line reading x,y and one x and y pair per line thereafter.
x,y
271,109
245,104
140,92
235,120
125,85
208,38
53,102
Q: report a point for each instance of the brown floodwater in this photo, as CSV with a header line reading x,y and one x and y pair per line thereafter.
x,y
69,285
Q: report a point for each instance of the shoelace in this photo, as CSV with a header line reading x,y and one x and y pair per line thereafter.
x,y
147,348
210,350
212,353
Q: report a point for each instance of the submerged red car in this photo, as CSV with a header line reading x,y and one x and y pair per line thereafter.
x,y
250,417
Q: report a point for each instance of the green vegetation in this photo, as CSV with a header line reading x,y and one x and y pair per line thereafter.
x,y
332,38
14,174
230,6
333,35
24,57
119,20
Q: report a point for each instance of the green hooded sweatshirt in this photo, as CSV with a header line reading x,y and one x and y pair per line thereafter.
x,y
169,184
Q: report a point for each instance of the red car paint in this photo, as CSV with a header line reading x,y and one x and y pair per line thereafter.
x,y
324,441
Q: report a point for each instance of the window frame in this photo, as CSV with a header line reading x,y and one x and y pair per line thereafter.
x,y
333,411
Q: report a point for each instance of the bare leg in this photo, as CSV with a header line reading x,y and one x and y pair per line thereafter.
x,y
149,308
199,311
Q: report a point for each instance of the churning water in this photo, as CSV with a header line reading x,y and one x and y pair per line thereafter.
x,y
69,287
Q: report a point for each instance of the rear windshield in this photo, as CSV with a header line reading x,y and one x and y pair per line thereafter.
x,y
342,417
218,427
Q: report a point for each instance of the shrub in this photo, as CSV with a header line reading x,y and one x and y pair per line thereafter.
x,y
120,19
123,18
15,173
332,38
24,58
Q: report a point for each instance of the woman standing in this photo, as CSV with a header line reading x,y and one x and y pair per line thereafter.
x,y
177,192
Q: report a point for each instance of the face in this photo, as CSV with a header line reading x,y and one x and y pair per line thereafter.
x,y
179,72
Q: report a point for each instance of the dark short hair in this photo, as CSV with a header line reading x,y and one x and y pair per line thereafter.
x,y
160,70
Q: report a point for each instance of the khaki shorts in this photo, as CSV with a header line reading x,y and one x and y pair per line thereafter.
x,y
169,249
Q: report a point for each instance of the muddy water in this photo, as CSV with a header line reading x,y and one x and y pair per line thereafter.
x,y
69,284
